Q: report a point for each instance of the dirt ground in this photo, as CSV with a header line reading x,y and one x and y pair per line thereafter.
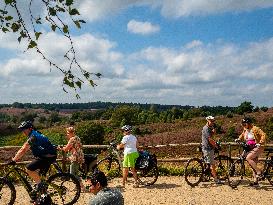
x,y
175,191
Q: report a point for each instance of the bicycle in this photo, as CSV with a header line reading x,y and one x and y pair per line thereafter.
x,y
237,170
197,170
60,188
146,166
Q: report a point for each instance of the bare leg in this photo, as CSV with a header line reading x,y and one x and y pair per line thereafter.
x,y
213,171
135,175
125,174
34,175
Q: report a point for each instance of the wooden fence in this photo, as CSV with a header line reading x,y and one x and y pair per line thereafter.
x,y
229,148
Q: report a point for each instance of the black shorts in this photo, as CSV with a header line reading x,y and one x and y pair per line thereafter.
x,y
42,164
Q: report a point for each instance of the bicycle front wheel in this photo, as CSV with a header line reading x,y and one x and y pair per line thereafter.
x,y
194,172
235,173
269,173
149,176
222,164
63,188
7,192
110,167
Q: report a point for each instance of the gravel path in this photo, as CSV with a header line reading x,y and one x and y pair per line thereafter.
x,y
175,191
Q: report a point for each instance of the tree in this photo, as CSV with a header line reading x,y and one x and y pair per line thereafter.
x,y
124,115
245,107
54,19
90,133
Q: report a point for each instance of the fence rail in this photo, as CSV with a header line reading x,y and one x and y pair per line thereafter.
x,y
229,144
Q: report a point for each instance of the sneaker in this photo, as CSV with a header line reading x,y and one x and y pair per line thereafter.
x,y
136,185
218,181
259,177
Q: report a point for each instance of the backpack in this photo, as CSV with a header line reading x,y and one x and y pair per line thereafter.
x,y
145,160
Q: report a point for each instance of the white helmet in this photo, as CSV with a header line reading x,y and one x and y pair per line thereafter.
x,y
127,128
210,118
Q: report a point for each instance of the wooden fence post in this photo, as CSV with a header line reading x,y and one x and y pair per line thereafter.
x,y
64,161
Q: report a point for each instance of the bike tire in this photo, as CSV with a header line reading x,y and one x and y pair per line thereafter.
x,y
110,167
63,188
7,192
149,176
269,173
194,172
235,173
222,164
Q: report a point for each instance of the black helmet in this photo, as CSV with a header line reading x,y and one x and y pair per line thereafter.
x,y
247,120
25,125
127,128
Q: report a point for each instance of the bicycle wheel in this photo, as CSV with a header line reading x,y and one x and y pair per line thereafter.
x,y
222,164
7,192
235,173
149,176
63,188
269,174
194,172
110,167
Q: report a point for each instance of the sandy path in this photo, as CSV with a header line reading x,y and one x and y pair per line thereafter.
x,y
174,191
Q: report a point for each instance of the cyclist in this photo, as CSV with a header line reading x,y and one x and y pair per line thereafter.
x,y
42,149
76,156
103,194
208,146
255,138
129,143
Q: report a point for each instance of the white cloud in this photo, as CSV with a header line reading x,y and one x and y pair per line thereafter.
x,y
97,9
143,28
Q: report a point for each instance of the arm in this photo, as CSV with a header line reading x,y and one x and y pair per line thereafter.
x,y
262,135
21,152
120,146
212,142
68,146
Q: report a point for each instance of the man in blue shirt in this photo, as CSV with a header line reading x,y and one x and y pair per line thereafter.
x,y
42,149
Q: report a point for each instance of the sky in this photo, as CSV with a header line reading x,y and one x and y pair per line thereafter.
x,y
175,52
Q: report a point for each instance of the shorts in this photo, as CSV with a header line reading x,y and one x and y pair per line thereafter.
x,y
42,164
209,156
254,154
130,160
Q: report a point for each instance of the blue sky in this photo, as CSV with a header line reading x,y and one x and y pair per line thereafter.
x,y
154,51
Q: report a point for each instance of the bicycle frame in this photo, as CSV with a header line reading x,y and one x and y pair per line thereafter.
x,y
18,172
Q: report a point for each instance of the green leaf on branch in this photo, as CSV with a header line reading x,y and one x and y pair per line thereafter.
x,y
77,24
73,12
37,35
68,2
8,1
8,18
15,27
79,84
82,21
98,75
53,27
4,29
92,83
52,11
38,20
32,44
65,29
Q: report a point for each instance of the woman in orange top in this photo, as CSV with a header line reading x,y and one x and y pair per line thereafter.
x,y
255,138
